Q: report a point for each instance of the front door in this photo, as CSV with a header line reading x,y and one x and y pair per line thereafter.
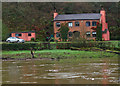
x,y
76,34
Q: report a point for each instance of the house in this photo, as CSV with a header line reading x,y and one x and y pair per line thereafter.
x,y
81,24
24,35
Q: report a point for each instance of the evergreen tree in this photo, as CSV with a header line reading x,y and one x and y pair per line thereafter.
x,y
99,32
64,31
5,32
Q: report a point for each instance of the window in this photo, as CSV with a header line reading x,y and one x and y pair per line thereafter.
x,y
57,34
58,24
87,34
29,34
88,24
11,37
70,24
18,34
93,23
70,34
76,23
94,34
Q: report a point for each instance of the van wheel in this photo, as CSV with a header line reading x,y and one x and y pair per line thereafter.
x,y
8,41
18,41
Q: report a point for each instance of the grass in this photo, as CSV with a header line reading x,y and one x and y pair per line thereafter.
x,y
63,54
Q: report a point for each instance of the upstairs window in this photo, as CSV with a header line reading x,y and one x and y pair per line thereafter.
x,y
93,23
70,24
87,23
94,34
29,34
87,34
57,34
58,24
77,24
70,34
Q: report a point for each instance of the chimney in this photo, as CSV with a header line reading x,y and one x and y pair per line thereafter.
x,y
103,19
105,36
55,14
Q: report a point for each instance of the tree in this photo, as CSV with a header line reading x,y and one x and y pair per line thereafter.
x,y
21,16
5,32
98,30
64,31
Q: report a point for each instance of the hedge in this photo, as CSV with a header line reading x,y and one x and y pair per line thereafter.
x,y
40,46
18,46
63,45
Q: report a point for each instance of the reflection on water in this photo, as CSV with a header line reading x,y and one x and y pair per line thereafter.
x,y
53,72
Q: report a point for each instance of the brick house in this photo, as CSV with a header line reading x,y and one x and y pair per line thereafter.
x,y
81,24
24,35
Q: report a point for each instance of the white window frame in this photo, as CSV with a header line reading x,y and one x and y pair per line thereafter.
x,y
70,24
93,33
88,33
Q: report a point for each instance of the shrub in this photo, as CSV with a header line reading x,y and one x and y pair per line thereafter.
x,y
18,46
32,39
63,45
81,42
28,46
52,39
56,40
92,40
47,45
37,40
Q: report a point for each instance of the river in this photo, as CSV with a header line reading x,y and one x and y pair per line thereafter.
x,y
96,71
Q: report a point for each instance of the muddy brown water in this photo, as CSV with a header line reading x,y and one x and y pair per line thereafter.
x,y
99,71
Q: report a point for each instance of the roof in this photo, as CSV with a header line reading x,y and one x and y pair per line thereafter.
x,y
25,32
85,16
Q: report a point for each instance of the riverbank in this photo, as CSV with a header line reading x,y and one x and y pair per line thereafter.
x,y
56,54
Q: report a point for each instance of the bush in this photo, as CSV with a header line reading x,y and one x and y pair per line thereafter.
x,y
28,46
18,46
79,43
63,45
47,45
52,39
32,39
37,40
108,45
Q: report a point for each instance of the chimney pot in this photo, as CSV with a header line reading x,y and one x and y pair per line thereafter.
x,y
55,14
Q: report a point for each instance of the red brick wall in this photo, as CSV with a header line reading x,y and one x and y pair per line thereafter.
x,y
25,36
32,36
82,28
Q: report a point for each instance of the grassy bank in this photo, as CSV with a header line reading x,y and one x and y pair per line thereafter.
x,y
62,54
